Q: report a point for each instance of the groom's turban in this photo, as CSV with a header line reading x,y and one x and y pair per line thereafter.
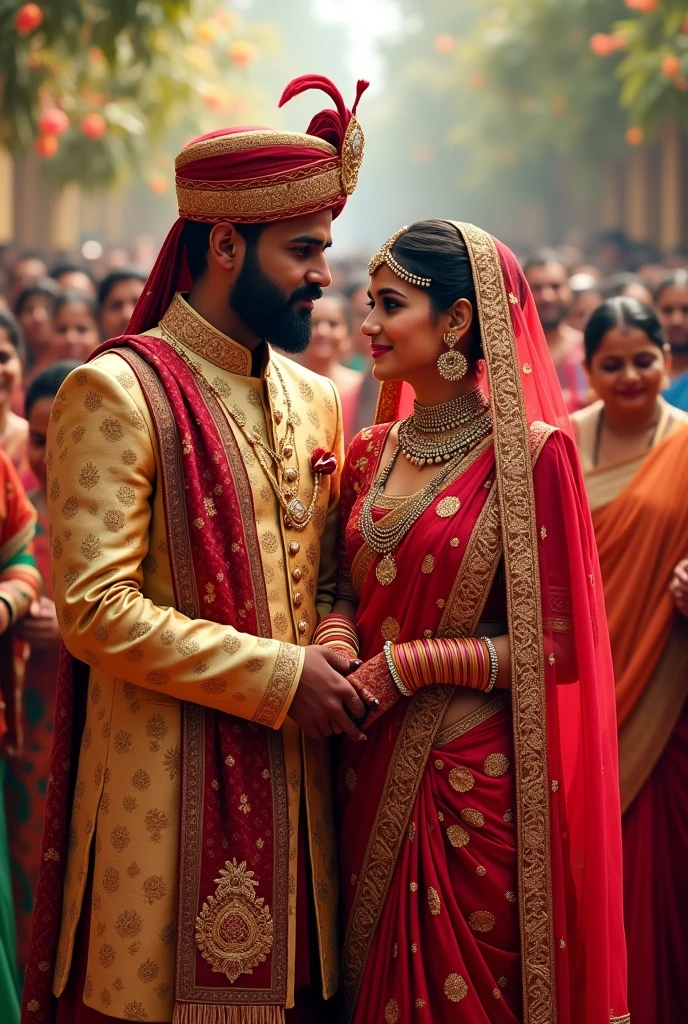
x,y
254,175
250,175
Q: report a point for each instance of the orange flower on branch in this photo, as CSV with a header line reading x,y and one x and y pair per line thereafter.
x,y
634,136
671,66
601,44
243,53
94,126
644,6
47,146
444,43
53,122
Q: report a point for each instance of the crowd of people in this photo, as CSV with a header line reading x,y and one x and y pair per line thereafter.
x,y
616,326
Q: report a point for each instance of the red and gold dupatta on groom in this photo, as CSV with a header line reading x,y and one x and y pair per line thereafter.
x,y
522,499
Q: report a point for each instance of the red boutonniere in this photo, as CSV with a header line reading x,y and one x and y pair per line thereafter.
x,y
323,462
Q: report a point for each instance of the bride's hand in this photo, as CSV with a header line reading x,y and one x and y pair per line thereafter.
x,y
373,681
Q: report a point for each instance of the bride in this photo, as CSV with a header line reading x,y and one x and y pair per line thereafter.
x,y
480,829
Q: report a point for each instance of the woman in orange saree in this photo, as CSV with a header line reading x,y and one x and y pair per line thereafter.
x,y
634,451
480,834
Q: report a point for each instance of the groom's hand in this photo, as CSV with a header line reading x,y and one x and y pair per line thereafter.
x,y
324,695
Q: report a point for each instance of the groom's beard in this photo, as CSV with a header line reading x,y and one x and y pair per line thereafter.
x,y
267,311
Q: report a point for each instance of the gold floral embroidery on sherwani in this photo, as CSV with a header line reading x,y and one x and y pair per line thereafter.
x,y
109,536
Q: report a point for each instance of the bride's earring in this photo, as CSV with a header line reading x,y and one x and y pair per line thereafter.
x,y
452,365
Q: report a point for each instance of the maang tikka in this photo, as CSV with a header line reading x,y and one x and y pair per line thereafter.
x,y
452,365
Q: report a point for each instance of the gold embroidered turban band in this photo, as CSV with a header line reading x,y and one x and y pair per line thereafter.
x,y
257,175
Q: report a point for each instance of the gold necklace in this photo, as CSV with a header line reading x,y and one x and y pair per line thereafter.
x,y
384,536
295,512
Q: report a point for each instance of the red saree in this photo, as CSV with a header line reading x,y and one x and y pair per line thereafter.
x,y
481,866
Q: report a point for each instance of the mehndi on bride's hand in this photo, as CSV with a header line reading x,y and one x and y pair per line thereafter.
x,y
373,681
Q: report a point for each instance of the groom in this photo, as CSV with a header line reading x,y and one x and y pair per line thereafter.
x,y
189,868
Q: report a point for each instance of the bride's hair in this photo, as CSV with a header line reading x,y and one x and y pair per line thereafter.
x,y
435,249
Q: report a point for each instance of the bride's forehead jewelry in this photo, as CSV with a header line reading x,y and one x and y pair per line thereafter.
x,y
385,256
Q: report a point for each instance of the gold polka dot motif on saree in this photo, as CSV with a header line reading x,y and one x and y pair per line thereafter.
x,y
481,921
390,628
496,765
434,902
447,507
455,988
392,1012
461,779
428,564
472,817
458,836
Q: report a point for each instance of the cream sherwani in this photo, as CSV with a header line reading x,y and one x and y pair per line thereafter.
x,y
115,602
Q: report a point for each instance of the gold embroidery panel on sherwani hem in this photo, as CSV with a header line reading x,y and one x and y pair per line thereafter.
x,y
109,534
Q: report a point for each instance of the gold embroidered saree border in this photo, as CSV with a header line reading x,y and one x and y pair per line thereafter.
x,y
519,530
478,568
626,1019
477,717
408,762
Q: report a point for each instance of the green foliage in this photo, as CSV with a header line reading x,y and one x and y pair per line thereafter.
x,y
536,89
648,92
149,67
539,91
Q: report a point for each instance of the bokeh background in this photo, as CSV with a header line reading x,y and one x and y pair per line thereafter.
x,y
544,121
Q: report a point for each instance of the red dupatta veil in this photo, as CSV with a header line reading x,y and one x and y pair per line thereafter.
x,y
569,827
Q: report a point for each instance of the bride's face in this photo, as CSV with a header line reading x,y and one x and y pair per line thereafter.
x,y
404,332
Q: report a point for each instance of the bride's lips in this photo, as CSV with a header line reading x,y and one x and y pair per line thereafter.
x,y
379,350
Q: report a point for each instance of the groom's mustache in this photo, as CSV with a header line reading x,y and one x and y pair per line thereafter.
x,y
308,292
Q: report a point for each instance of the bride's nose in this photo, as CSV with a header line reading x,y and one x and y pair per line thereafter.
x,y
369,328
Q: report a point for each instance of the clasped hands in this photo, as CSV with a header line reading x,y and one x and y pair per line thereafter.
x,y
332,691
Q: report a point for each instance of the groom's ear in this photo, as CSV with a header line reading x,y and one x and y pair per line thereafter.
x,y
226,246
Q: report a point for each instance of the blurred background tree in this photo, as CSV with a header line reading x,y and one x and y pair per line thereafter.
x,y
95,86
522,112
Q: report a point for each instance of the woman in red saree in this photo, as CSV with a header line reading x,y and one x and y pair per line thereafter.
x,y
634,452
480,833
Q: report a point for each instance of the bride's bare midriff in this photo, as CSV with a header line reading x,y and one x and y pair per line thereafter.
x,y
465,702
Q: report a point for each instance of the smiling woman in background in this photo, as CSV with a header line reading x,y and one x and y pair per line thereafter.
x,y
634,451
330,343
